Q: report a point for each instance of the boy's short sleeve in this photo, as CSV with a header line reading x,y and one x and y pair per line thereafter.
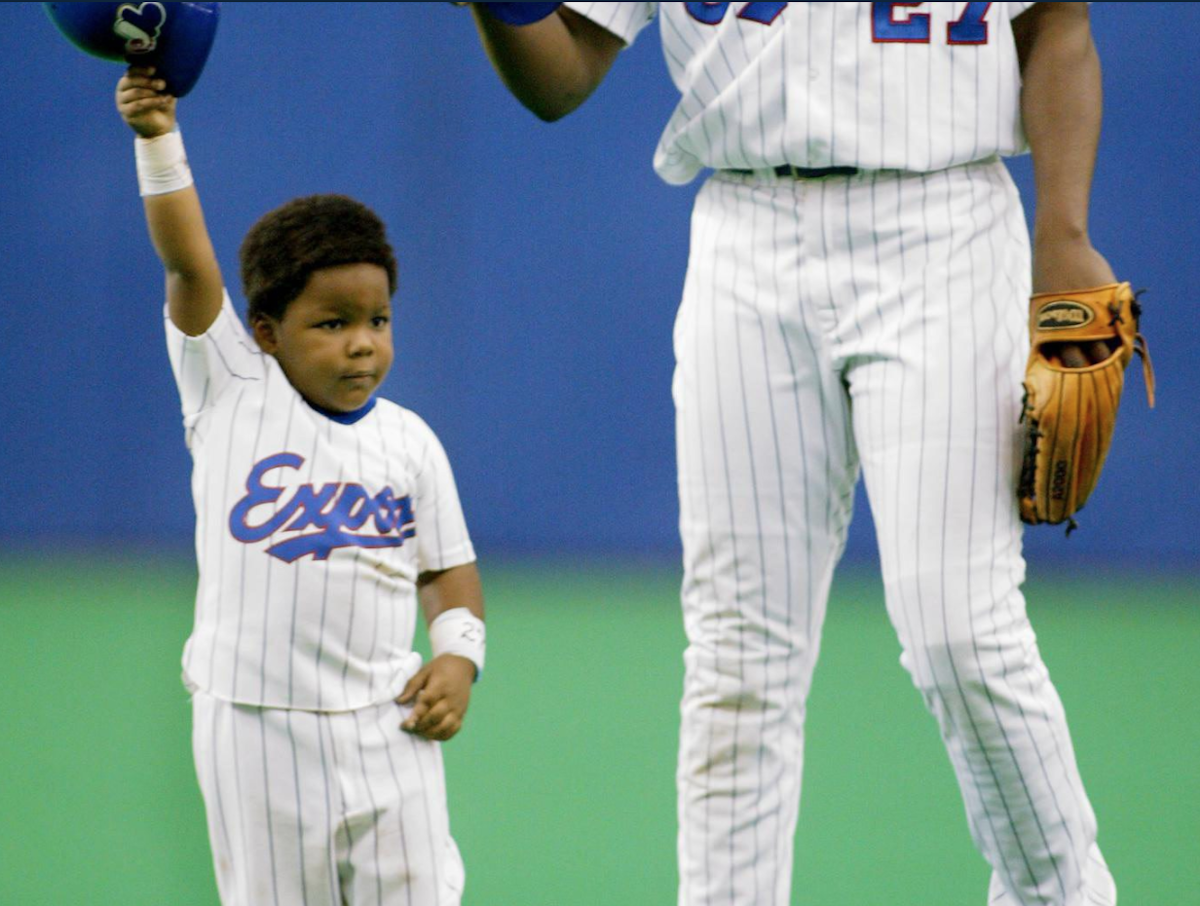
x,y
625,20
442,537
207,365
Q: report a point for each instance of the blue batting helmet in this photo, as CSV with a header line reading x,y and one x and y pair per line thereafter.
x,y
175,38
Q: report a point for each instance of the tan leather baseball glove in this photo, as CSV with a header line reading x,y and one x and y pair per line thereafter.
x,y
1081,342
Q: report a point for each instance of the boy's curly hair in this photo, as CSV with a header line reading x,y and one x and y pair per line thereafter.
x,y
287,244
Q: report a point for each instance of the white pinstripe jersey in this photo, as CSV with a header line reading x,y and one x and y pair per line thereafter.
x,y
879,86
310,531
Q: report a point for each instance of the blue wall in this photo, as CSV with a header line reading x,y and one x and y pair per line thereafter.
x,y
540,269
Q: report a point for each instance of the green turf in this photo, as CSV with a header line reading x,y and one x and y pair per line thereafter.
x,y
561,787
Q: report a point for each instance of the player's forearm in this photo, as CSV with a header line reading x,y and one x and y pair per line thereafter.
x,y
458,586
178,232
194,286
1061,104
551,66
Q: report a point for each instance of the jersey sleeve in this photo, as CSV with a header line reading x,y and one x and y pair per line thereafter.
x,y
208,365
625,20
442,538
1015,9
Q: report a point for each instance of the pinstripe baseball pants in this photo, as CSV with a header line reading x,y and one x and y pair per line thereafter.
x,y
313,808
876,320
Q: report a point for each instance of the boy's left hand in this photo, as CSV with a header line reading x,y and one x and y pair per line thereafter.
x,y
144,104
440,692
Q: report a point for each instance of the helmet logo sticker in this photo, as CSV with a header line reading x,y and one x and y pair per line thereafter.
x,y
140,26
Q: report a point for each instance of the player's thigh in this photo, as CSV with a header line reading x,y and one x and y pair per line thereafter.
x,y
398,848
765,455
936,416
271,802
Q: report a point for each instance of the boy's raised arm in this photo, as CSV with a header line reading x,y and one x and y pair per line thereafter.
x,y
173,214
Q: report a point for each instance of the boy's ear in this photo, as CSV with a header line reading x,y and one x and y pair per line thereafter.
x,y
266,333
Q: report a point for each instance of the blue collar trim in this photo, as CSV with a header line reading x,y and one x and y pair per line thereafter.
x,y
345,418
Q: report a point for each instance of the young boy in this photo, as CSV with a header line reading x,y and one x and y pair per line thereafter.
x,y
323,514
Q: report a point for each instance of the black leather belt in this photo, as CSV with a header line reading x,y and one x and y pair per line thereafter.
x,y
791,172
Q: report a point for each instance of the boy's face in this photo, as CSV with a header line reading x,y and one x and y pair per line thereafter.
x,y
334,341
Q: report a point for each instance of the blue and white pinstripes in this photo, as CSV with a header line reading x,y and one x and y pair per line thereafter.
x,y
312,791
324,809
878,319
875,321
818,85
328,629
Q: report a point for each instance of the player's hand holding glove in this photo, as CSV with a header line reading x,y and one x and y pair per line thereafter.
x,y
1081,342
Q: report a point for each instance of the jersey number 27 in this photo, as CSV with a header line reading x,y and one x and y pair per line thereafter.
x,y
969,28
913,28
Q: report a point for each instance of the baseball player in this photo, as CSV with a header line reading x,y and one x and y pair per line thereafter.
x,y
856,299
323,515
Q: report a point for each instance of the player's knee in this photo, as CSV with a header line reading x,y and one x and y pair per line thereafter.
x,y
725,724
938,665
966,663
723,696
731,708
957,651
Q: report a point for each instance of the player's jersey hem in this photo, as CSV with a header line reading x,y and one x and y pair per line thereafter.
x,y
759,92
414,660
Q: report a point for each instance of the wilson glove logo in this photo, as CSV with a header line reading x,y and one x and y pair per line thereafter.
x,y
140,26
1064,314
330,517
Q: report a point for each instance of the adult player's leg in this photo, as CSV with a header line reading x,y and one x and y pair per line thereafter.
x,y
936,401
766,475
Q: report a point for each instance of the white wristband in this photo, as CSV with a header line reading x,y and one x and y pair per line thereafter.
x,y
458,631
162,164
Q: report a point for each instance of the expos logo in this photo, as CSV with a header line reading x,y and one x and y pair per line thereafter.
x,y
330,517
140,26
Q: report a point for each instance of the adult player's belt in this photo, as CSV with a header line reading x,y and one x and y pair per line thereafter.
x,y
790,172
